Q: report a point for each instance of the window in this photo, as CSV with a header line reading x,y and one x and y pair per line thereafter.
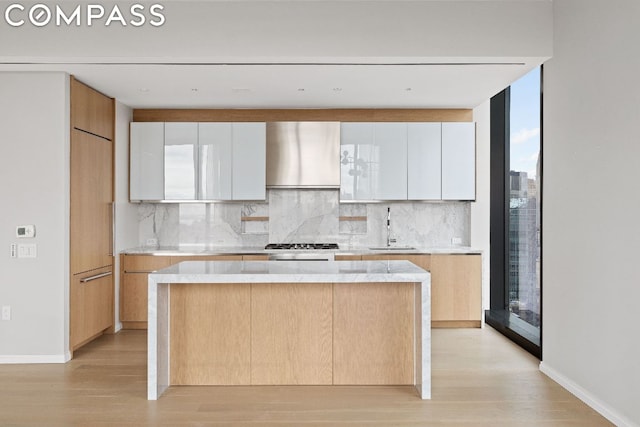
x,y
516,193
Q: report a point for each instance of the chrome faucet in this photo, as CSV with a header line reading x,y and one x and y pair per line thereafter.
x,y
389,239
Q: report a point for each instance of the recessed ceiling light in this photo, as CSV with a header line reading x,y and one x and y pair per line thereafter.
x,y
337,89
300,89
408,89
194,89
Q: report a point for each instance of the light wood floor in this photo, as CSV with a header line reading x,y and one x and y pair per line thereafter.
x,y
479,379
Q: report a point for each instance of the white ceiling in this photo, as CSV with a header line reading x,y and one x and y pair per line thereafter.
x,y
293,86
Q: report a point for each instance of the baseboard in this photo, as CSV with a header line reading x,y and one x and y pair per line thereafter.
x,y
584,395
35,359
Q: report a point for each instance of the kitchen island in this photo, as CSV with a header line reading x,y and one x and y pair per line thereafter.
x,y
303,322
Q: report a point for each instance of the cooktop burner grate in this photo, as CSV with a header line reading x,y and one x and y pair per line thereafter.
x,y
303,246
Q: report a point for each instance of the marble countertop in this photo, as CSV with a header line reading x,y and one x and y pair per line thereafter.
x,y
259,250
298,272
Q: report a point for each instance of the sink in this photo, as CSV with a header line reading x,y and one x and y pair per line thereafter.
x,y
393,248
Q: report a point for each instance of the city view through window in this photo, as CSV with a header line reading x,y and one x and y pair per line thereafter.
x,y
524,200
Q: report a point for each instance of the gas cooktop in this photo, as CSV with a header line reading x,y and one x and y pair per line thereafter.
x,y
302,246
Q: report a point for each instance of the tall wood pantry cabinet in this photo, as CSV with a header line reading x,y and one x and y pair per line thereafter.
x,y
91,294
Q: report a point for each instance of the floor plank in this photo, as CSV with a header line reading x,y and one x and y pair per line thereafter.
x,y
479,379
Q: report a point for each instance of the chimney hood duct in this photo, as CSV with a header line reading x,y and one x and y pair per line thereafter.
x,y
303,155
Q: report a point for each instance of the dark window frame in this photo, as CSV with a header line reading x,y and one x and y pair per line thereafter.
x,y
498,316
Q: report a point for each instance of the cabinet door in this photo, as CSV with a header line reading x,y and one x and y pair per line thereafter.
x,y
458,161
91,202
249,161
215,148
424,161
357,159
133,307
91,111
391,147
456,290
180,160
91,306
146,160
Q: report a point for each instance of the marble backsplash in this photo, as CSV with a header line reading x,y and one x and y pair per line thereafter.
x,y
303,216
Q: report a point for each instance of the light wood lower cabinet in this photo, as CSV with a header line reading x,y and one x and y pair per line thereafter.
x,y
291,333
456,291
134,275
456,287
373,337
91,306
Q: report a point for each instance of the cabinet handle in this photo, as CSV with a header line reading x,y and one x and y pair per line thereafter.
x,y
113,228
96,277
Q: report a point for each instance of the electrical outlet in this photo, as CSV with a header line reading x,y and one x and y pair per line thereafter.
x,y
14,250
6,312
152,242
456,241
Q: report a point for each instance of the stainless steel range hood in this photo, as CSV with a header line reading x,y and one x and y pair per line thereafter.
x,y
303,155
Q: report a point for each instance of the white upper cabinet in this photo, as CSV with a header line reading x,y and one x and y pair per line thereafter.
x,y
407,161
180,161
373,161
249,161
390,179
215,145
198,161
146,157
357,156
458,161
423,161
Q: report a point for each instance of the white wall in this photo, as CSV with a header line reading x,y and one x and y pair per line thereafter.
x,y
301,31
591,329
34,171
126,231
481,208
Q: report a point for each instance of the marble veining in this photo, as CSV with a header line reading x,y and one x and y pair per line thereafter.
x,y
303,216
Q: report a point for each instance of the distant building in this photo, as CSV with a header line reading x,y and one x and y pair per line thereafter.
x,y
524,289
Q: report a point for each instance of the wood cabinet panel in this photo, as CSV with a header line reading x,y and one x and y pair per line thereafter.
x,y
348,257
210,334
91,202
291,333
91,111
144,263
373,339
177,259
456,288
304,115
255,257
91,307
133,291
422,261
134,282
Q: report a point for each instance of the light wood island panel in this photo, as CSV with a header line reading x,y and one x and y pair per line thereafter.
x,y
210,334
373,337
291,333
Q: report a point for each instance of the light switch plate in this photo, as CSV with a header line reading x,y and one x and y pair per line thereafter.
x,y
29,250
